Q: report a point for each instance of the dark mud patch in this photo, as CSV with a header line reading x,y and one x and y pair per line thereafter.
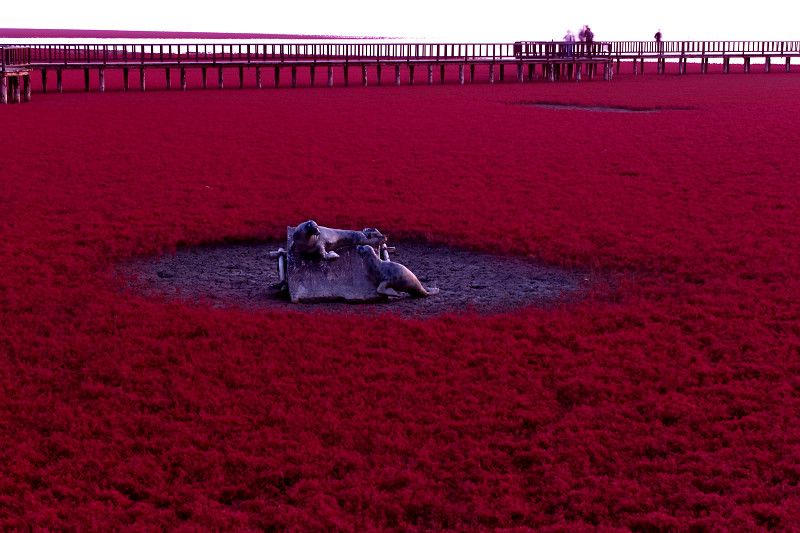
x,y
243,276
600,108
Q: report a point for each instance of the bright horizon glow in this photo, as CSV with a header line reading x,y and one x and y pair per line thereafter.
x,y
501,21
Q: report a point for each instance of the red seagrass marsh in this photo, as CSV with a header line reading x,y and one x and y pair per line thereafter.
x,y
670,402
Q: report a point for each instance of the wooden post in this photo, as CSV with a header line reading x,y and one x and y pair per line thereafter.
x,y
767,61
430,74
441,74
86,78
330,75
168,74
411,74
141,78
183,78
205,77
241,77
578,73
44,80
220,83
294,77
124,79
346,77
277,76
15,85
397,75
379,74
788,63
26,80
3,89
519,72
364,75
747,64
59,81
502,73
531,71
313,73
635,70
258,77
491,73
101,74
472,73
461,74
726,64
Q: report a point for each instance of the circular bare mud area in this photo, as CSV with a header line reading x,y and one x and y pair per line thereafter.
x,y
244,276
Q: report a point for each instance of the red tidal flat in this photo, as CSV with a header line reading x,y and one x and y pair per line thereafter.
x,y
673,405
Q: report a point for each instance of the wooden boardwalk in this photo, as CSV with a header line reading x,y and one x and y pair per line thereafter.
x,y
549,60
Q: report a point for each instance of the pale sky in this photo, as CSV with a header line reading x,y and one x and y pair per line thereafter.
x,y
499,21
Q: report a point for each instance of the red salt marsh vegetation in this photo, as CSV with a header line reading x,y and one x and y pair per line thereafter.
x,y
669,404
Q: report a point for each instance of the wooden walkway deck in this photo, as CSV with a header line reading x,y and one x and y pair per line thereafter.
x,y
549,60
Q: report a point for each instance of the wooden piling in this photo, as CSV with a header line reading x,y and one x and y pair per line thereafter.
x,y
294,77
531,71
44,81
277,76
183,79
86,78
220,80
461,74
379,74
330,76
241,77
767,61
346,77
441,74
101,76
519,73
59,81
26,80
168,76
747,64
397,75
15,85
258,77
313,74
3,89
124,80
364,75
141,78
411,74
491,73
788,63
204,77
472,73
430,74
502,73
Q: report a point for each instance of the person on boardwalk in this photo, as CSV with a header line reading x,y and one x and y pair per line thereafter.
x,y
589,36
659,45
569,39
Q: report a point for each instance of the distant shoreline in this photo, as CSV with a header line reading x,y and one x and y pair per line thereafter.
x,y
34,33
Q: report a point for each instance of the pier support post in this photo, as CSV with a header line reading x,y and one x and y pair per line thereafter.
x,y
101,75
277,76
379,74
15,86
430,74
578,73
635,70
520,77
124,80
258,77
551,72
531,71
141,78
220,83
86,78
461,74
294,77
44,81
241,77
726,65
346,76
441,74
330,75
312,73
788,63
205,78
59,81
491,73
183,78
767,62
168,76
747,64
3,89
411,74
26,80
364,75
397,75
502,73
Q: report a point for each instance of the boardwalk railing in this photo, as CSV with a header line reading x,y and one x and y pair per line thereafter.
x,y
14,57
132,54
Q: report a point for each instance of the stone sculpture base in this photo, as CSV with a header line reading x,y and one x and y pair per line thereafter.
x,y
343,279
